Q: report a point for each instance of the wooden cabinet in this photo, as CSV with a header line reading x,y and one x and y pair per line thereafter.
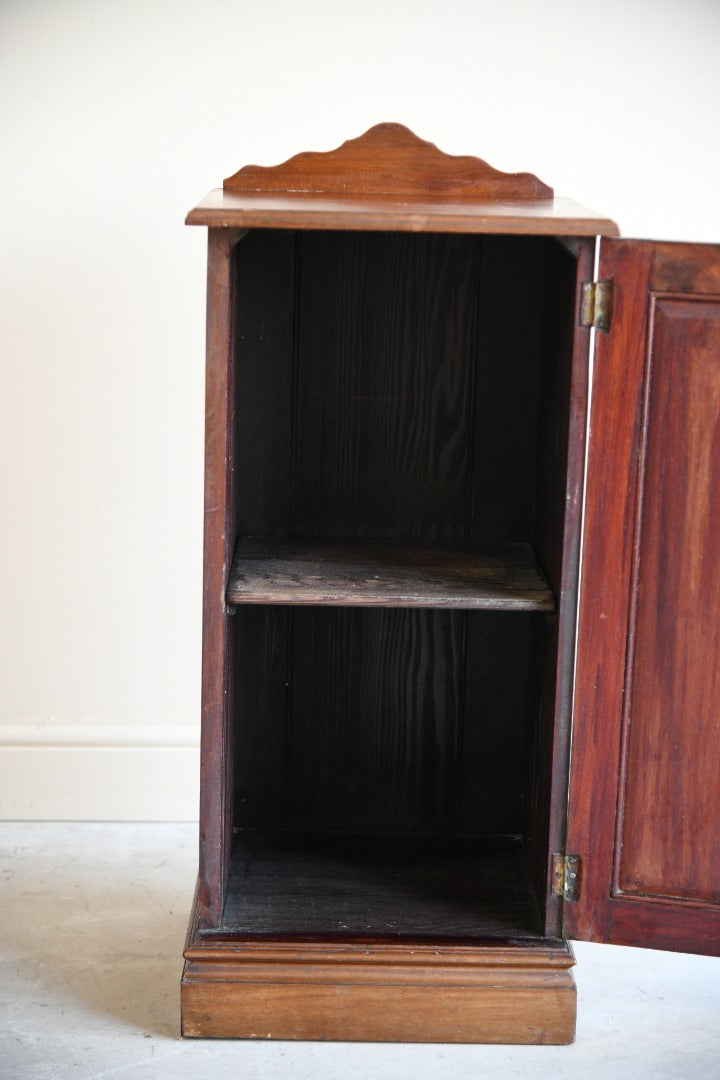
x,y
397,396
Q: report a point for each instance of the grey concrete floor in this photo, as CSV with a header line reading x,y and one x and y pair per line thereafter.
x,y
91,935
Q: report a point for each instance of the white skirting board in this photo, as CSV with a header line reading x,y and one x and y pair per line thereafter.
x,y
99,772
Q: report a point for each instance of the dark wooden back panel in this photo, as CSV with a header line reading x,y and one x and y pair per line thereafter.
x,y
387,348
506,388
264,276
382,720
375,733
389,388
646,742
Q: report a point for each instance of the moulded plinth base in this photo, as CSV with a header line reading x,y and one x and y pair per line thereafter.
x,y
509,993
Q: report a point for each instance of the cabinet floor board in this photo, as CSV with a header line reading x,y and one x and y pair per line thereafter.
x,y
336,885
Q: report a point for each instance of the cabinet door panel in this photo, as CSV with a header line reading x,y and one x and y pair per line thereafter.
x,y
645,781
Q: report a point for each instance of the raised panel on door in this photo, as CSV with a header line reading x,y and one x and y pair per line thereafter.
x,y
645,773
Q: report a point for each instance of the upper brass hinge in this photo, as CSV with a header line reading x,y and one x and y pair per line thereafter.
x,y
566,877
597,303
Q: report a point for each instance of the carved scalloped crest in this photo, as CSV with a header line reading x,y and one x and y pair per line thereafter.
x,y
389,159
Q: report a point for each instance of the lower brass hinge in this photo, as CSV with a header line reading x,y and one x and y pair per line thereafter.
x,y
597,303
566,877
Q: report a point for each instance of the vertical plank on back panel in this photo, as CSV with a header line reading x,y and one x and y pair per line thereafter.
x,y
260,679
496,730
387,346
375,732
263,329
506,383
264,274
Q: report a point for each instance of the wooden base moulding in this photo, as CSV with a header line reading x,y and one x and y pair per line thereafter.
x,y
379,992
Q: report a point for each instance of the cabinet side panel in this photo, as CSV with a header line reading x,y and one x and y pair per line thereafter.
x,y
558,509
215,745
671,763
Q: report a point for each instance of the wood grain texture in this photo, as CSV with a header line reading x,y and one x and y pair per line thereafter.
x,y
532,1009
407,407
679,431
377,575
260,677
427,431
386,350
327,886
562,401
375,720
385,720
516,994
384,388
263,329
388,159
369,213
216,729
505,383
498,716
672,737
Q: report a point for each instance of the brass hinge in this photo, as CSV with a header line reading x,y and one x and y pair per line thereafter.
x,y
566,877
597,303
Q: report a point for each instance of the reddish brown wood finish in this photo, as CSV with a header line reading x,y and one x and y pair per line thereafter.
x,y
400,213
646,743
389,159
560,545
673,685
215,750
422,993
514,988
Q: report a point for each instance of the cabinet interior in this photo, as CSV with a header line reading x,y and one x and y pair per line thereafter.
x,y
399,444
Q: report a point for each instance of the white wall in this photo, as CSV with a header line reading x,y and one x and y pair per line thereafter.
x,y
114,119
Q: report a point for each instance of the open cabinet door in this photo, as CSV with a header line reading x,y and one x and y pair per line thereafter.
x,y
644,811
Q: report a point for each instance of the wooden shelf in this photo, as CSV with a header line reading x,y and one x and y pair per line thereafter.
x,y
345,885
373,575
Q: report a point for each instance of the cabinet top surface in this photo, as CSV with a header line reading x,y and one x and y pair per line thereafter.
x,y
300,210
389,179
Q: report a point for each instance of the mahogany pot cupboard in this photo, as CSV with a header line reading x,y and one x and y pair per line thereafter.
x,y
399,825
